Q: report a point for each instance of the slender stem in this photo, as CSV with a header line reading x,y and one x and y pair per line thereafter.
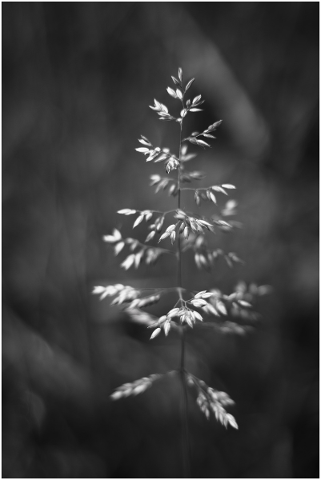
x,y
179,168
193,189
184,409
182,366
157,211
179,263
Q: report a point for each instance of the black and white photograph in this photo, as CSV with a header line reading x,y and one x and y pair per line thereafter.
x,y
160,239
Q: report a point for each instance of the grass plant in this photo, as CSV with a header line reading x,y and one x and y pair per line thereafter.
x,y
180,232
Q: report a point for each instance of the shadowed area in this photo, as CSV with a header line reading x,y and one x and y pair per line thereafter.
x,y
77,82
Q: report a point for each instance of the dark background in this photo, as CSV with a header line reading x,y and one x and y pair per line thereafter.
x,y
77,82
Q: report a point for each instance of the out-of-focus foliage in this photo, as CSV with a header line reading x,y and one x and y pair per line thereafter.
x,y
77,82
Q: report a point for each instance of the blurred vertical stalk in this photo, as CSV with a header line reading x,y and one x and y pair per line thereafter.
x,y
184,405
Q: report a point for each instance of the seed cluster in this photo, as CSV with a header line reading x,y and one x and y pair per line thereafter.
x,y
187,232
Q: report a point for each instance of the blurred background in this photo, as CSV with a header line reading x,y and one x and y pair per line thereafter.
x,y
77,82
